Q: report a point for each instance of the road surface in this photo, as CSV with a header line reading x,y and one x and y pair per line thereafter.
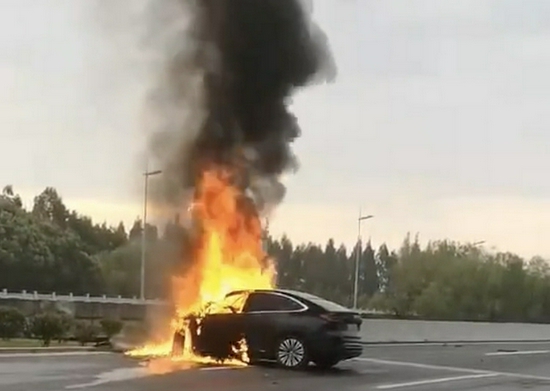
x,y
487,367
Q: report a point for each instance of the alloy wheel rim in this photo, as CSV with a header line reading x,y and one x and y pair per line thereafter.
x,y
291,352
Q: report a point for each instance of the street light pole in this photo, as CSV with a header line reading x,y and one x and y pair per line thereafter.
x,y
146,175
360,219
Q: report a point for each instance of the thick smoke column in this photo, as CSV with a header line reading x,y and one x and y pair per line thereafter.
x,y
241,60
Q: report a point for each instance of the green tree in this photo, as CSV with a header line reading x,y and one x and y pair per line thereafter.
x,y
49,206
287,269
9,197
111,327
344,271
12,323
50,248
24,250
121,270
369,272
47,326
85,332
136,231
67,324
385,264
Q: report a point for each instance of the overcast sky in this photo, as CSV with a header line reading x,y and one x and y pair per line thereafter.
x,y
437,124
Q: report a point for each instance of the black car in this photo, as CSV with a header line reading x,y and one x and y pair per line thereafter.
x,y
289,327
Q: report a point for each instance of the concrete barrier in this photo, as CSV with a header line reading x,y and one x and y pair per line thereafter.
x,y
415,331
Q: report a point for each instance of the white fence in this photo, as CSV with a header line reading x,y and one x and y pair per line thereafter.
x,y
420,331
35,296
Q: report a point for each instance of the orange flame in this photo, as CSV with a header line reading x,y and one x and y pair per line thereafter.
x,y
227,255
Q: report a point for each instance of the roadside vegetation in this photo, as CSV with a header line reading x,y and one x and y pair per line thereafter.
x,y
52,328
50,248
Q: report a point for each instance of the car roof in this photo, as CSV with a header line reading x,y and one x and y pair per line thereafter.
x,y
288,292
308,297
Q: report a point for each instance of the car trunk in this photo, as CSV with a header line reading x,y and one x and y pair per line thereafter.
x,y
343,321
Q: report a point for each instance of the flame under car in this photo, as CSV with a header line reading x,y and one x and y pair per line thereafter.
x,y
289,327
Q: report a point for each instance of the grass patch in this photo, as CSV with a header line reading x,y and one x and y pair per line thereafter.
x,y
32,343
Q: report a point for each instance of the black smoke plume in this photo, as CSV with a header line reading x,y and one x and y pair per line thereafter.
x,y
231,76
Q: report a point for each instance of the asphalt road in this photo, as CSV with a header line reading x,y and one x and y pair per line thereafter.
x,y
485,367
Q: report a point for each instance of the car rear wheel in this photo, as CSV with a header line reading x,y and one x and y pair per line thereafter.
x,y
292,353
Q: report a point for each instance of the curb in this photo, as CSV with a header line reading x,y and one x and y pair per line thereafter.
x,y
48,349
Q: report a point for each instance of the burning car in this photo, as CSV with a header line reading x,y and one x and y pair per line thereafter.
x,y
289,327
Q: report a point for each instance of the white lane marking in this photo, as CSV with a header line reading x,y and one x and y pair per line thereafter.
x,y
451,343
518,353
433,381
454,369
216,368
116,375
125,374
422,366
52,354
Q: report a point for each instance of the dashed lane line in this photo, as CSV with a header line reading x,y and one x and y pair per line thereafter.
x,y
434,381
419,344
518,353
453,369
422,366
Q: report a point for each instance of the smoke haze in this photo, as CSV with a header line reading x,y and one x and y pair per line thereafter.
x,y
229,72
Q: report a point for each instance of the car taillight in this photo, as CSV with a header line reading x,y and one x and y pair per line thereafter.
x,y
327,317
333,323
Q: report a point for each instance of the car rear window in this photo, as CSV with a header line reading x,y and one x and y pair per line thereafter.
x,y
324,304
260,302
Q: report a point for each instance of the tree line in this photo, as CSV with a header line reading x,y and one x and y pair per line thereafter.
x,y
444,280
51,248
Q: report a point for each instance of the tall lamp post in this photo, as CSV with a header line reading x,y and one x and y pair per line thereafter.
x,y
360,219
146,175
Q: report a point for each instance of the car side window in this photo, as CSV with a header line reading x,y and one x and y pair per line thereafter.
x,y
235,301
266,302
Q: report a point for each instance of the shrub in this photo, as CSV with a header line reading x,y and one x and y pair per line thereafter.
x,y
12,323
67,323
48,326
85,332
111,327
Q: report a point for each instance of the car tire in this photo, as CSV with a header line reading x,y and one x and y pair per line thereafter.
x,y
326,363
292,353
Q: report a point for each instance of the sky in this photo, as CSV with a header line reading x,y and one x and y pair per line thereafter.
x,y
435,125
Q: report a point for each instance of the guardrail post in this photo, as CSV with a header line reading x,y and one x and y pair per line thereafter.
x,y
53,295
4,292
35,294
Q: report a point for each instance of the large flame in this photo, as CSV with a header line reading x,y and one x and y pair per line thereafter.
x,y
228,255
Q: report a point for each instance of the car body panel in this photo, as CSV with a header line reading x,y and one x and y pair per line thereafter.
x,y
330,336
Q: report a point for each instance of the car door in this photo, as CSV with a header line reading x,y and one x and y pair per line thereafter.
x,y
266,315
221,332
